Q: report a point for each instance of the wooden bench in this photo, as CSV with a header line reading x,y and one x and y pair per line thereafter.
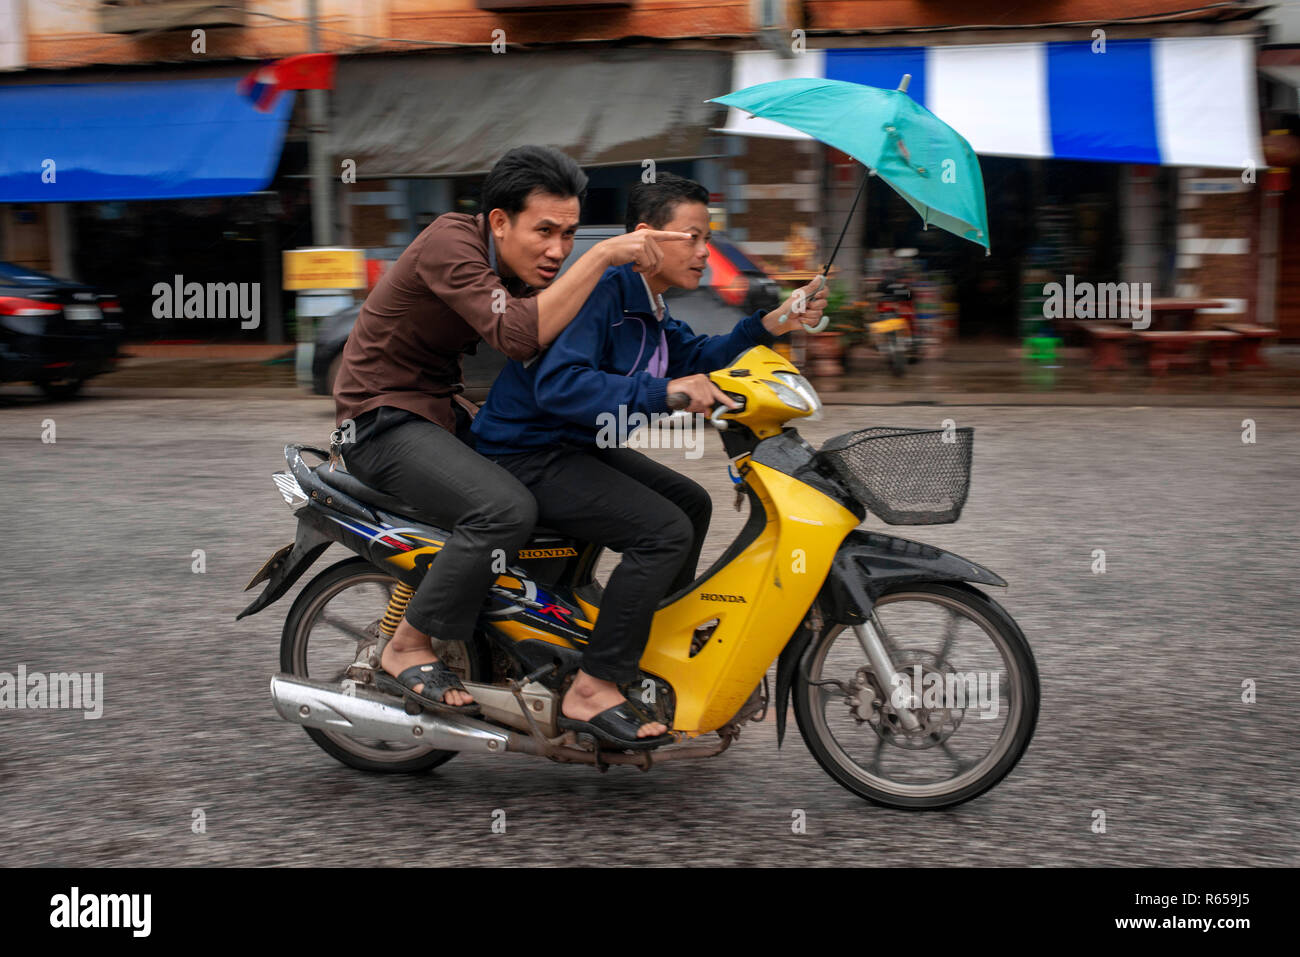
x,y
1106,342
1176,348
1252,337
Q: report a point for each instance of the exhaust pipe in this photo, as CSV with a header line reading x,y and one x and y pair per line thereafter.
x,y
361,712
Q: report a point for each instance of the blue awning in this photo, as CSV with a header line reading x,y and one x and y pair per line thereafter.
x,y
157,140
1177,101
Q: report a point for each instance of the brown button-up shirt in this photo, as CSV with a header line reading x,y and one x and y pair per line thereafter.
x,y
440,298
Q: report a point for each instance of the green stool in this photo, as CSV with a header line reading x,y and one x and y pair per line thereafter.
x,y
1041,348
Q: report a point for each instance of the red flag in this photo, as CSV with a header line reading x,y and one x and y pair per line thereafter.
x,y
307,71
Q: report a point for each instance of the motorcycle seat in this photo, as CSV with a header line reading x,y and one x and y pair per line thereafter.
x,y
350,485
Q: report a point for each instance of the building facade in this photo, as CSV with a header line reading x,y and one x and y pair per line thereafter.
x,y
429,92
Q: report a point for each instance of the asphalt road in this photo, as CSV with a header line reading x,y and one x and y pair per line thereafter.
x,y
1142,666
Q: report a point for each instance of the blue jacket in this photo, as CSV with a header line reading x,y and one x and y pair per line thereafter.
x,y
597,364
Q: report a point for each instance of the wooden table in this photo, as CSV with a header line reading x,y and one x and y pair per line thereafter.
x,y
1252,337
1105,342
1168,348
1177,315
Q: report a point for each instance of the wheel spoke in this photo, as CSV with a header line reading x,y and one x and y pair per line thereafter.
x,y
949,635
874,764
351,631
961,765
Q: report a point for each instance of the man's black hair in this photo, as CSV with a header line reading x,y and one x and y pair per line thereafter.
x,y
527,168
653,203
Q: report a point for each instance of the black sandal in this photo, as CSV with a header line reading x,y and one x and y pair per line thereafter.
x,y
437,679
617,728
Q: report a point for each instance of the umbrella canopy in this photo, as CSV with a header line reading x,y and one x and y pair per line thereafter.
x,y
921,157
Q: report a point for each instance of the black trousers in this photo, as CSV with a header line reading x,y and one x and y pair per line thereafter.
x,y
483,506
623,500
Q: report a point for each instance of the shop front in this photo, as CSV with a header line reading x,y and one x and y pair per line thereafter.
x,y
1083,147
127,184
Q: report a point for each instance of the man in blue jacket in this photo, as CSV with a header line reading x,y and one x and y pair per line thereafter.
x,y
624,354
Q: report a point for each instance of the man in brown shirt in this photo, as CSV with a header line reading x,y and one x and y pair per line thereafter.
x,y
464,279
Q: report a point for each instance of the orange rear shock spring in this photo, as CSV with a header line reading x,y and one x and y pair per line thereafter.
x,y
397,603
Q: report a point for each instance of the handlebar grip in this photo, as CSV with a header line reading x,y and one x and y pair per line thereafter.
x,y
719,410
678,400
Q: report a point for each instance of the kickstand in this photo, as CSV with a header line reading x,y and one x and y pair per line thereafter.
x,y
517,688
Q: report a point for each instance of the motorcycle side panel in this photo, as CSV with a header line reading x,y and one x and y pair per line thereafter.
x,y
759,597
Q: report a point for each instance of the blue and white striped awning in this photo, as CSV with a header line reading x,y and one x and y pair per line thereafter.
x,y
1179,101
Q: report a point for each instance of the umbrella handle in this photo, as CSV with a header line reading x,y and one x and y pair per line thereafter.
x,y
825,319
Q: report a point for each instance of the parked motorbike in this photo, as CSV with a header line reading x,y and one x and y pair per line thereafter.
x,y
911,687
893,332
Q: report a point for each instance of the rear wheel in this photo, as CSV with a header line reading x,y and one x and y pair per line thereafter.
x,y
971,682
60,388
334,620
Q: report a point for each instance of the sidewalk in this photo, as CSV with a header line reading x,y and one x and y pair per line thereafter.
x,y
996,373
969,373
185,365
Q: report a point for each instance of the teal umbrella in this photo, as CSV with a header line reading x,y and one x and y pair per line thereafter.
x,y
922,158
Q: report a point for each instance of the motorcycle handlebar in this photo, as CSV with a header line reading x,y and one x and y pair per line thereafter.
x,y
680,400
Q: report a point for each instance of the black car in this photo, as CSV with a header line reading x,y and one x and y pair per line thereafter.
x,y
55,332
733,287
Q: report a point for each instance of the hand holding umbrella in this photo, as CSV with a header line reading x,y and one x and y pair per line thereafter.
x,y
922,158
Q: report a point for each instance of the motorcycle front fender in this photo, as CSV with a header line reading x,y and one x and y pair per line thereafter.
x,y
868,563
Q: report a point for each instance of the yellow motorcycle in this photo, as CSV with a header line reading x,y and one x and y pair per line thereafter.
x,y
911,687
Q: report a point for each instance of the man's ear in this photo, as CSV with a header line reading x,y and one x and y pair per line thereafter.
x,y
497,220
642,226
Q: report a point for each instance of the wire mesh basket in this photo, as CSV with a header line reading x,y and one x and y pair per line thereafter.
x,y
905,476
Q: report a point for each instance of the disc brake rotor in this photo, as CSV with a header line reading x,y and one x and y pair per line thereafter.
x,y
871,705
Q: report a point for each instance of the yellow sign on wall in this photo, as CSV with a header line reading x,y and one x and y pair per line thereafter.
x,y
335,268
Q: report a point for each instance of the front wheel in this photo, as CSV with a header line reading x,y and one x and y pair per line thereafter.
x,y
953,724
334,621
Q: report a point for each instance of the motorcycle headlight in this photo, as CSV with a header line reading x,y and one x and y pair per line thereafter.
x,y
787,395
802,388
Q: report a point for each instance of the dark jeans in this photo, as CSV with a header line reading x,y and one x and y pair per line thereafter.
x,y
484,507
623,500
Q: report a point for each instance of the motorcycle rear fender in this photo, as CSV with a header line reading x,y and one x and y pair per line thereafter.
x,y
287,565
866,564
